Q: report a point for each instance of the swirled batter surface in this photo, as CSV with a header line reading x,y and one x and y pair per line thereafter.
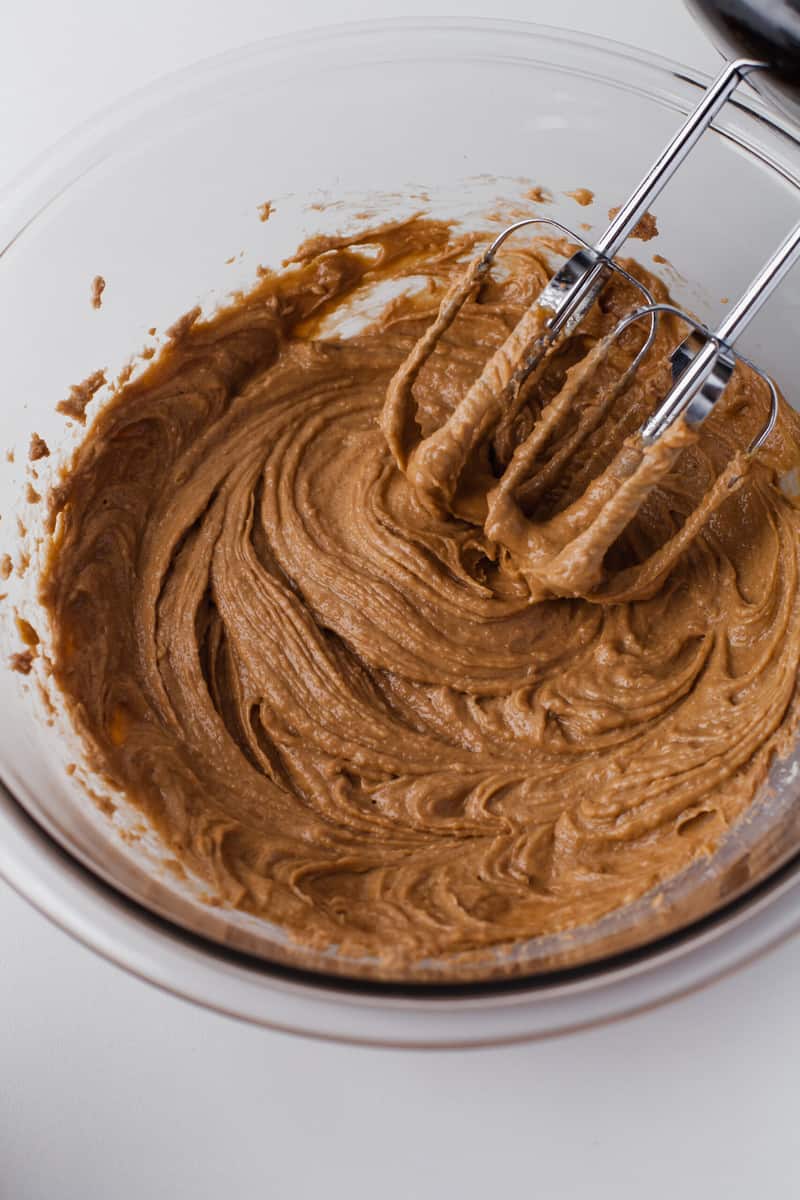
x,y
349,710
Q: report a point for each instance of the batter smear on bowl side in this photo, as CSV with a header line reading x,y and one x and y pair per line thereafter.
x,y
355,707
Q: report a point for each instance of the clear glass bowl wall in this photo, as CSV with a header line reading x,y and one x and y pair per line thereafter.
x,y
161,193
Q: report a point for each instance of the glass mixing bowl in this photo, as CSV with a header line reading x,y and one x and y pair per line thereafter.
x,y
160,196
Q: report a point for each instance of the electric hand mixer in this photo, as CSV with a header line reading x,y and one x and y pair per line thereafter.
x,y
564,555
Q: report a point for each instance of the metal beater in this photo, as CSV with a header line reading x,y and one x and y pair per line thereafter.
x,y
701,365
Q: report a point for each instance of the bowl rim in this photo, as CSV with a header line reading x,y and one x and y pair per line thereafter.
x,y
48,161
298,1000
292,1000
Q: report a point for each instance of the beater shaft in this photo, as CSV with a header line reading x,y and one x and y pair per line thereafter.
x,y
586,273
691,395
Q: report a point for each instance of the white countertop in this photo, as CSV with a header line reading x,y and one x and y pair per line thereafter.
x,y
109,1088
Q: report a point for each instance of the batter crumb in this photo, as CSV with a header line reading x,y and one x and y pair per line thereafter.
x,y
9,456
22,662
80,396
582,196
265,210
105,806
26,631
6,566
539,195
645,229
98,287
44,696
31,494
38,448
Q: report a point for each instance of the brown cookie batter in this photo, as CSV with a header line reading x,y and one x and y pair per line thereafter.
x,y
354,711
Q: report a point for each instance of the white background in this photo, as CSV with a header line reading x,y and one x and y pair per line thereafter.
x,y
110,1089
